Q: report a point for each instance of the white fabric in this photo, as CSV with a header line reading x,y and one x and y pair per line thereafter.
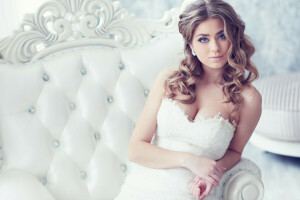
x,y
206,136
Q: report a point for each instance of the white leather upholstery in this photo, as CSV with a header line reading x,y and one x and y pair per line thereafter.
x,y
65,120
48,127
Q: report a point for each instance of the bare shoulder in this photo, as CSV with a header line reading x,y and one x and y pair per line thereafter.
x,y
251,107
251,95
158,86
166,72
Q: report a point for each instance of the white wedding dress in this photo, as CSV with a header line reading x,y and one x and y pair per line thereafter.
x,y
207,137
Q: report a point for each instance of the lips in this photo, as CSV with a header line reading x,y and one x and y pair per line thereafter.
x,y
216,58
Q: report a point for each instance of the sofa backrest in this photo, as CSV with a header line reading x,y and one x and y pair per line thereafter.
x,y
71,95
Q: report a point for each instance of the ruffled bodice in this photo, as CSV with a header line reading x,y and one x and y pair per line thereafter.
x,y
207,137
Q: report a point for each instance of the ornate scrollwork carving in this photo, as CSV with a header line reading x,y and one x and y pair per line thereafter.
x,y
64,21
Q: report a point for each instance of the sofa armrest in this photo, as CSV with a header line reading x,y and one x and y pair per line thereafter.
x,y
243,185
243,181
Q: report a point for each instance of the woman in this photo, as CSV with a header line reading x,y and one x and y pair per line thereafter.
x,y
201,115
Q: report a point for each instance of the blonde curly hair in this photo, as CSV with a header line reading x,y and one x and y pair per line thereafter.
x,y
241,49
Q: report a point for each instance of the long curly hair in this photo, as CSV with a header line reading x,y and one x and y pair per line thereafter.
x,y
241,49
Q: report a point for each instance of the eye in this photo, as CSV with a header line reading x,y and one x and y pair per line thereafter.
x,y
222,36
203,40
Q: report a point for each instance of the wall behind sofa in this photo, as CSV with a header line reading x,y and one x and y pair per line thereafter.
x,y
273,26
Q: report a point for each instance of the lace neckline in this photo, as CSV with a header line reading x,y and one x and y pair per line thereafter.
x,y
199,116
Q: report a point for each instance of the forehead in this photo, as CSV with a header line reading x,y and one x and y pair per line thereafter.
x,y
210,26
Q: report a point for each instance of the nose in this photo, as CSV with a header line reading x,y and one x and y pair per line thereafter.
x,y
214,45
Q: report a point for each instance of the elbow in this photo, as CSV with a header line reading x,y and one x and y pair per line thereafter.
x,y
132,153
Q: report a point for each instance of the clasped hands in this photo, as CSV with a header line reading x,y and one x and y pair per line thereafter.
x,y
208,173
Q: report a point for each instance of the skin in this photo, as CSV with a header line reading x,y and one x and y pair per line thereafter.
x,y
207,172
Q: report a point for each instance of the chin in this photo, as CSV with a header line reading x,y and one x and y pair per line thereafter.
x,y
215,66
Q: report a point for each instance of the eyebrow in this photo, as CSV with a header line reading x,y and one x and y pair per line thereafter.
x,y
201,34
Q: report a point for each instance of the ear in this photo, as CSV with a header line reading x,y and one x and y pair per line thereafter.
x,y
191,46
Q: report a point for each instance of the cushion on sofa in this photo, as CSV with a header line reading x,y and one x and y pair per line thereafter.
x,y
280,107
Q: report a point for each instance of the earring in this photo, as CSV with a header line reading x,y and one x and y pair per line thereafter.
x,y
193,52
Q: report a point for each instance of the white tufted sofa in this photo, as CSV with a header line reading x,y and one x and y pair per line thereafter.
x,y
73,82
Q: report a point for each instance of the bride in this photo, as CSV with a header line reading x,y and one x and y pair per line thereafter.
x,y
199,116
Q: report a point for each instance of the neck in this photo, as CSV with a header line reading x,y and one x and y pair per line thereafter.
x,y
212,76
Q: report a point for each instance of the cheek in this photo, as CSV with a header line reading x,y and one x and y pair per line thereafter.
x,y
226,45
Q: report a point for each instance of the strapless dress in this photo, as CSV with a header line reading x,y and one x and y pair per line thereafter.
x,y
205,136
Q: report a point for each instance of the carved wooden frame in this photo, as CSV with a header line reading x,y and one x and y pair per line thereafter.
x,y
61,24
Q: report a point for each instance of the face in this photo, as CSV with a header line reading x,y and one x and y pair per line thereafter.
x,y
210,44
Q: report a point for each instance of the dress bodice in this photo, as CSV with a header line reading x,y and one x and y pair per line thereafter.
x,y
204,136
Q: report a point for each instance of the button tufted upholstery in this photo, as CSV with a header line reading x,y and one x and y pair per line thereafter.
x,y
70,130
66,118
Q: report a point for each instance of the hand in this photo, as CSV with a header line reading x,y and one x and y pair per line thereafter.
x,y
205,168
200,188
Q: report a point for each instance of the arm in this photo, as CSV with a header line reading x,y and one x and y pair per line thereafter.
x,y
140,148
249,116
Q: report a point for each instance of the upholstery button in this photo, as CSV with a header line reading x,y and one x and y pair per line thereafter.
x,y
146,92
123,168
121,66
72,106
83,175
55,143
110,99
31,110
45,77
97,136
83,71
43,180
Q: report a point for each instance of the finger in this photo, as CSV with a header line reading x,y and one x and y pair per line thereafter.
x,y
211,180
198,194
199,183
195,190
221,168
218,173
193,183
191,186
206,192
216,177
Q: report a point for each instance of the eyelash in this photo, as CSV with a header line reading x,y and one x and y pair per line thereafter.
x,y
222,36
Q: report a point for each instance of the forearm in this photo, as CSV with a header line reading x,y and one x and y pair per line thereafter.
x,y
229,159
153,156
